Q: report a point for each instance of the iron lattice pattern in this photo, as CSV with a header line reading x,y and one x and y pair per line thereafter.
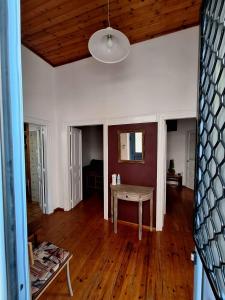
x,y
209,229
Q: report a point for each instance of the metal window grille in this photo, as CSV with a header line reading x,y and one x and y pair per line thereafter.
x,y
209,220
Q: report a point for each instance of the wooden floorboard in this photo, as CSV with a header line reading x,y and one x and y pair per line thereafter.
x,y
109,266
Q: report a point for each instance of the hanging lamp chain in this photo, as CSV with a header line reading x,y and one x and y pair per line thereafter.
x,y
108,15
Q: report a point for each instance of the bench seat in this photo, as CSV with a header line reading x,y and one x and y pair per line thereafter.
x,y
48,261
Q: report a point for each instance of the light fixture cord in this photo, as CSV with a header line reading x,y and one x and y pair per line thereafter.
x,y
108,15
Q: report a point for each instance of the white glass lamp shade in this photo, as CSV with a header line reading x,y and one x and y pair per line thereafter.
x,y
109,45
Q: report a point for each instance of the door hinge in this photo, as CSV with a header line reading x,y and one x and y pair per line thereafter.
x,y
193,257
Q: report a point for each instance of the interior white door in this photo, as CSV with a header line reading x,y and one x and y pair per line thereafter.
x,y
165,162
190,163
75,165
41,168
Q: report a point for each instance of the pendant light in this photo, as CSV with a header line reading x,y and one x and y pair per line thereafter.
x,y
109,45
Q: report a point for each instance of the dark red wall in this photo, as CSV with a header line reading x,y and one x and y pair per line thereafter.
x,y
134,173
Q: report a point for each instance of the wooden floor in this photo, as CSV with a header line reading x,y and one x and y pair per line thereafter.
x,y
108,266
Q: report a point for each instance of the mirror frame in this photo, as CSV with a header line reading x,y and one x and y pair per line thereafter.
x,y
141,161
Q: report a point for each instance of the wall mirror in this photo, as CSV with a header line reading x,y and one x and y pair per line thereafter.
x,y
131,146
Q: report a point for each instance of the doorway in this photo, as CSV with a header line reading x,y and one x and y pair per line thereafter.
x,y
86,164
180,171
181,142
36,173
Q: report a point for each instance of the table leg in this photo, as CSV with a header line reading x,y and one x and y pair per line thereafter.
x,y
112,206
115,212
140,221
68,279
180,182
151,213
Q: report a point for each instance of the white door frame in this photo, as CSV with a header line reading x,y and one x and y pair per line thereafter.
x,y
44,129
66,160
161,159
43,158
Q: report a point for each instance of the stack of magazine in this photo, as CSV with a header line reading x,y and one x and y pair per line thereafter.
x,y
47,259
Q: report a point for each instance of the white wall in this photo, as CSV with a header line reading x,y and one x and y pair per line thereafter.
x,y
92,143
40,108
38,87
158,77
176,145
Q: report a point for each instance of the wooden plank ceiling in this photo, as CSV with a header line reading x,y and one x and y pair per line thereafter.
x,y
58,30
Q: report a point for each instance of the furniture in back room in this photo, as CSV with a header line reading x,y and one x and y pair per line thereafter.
x,y
93,177
131,193
177,178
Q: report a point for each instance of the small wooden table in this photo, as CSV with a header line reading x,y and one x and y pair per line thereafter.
x,y
131,193
174,177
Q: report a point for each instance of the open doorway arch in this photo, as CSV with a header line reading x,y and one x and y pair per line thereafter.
x,y
85,162
162,163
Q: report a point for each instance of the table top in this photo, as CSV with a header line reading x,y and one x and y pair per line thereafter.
x,y
169,175
132,188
